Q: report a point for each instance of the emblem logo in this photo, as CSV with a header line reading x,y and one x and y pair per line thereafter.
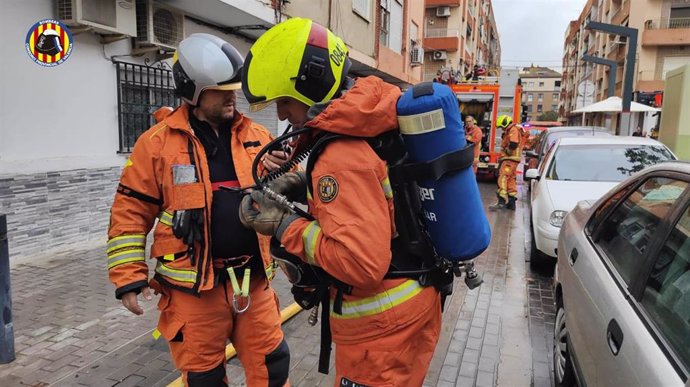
x,y
49,43
328,188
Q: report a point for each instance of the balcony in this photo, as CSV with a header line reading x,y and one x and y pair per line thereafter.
x,y
442,3
621,13
442,39
666,32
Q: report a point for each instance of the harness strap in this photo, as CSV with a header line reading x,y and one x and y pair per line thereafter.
x,y
437,168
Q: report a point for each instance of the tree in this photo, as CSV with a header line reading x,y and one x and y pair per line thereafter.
x,y
548,116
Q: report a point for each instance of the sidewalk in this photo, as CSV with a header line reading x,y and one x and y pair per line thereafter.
x,y
70,330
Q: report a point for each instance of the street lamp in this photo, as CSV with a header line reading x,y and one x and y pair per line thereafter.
x,y
631,35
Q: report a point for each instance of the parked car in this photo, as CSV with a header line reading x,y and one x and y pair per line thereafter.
x,y
547,137
622,285
579,168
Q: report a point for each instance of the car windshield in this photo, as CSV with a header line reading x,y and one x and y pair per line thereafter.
x,y
604,162
553,137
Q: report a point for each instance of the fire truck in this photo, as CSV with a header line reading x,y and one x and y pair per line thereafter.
x,y
486,98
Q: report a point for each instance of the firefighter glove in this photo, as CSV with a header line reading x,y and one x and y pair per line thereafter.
x,y
261,213
293,185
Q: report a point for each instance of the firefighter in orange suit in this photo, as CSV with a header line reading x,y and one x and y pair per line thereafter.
x,y
387,330
473,134
212,273
512,142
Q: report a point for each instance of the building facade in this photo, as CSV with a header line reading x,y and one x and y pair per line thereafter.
x,y
67,130
541,89
663,45
458,35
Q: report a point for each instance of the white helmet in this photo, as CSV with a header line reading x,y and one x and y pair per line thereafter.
x,y
203,61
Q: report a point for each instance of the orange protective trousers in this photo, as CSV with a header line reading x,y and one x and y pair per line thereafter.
x,y
507,173
398,358
198,328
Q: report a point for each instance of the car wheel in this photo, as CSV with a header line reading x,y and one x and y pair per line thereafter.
x,y
564,375
535,257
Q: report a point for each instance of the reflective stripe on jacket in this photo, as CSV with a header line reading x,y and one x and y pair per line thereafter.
x,y
147,191
353,207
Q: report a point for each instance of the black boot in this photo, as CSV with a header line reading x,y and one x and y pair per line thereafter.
x,y
511,203
500,205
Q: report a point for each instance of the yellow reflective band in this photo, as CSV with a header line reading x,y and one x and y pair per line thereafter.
x,y
309,197
169,257
128,163
156,334
133,240
309,238
422,123
176,274
379,303
244,290
166,218
270,270
387,189
134,255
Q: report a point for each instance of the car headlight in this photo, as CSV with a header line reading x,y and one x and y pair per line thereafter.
x,y
486,159
556,218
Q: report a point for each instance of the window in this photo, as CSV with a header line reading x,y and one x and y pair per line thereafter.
x,y
556,95
530,84
530,97
414,33
554,108
540,97
361,8
539,108
384,35
558,83
666,295
141,91
541,84
625,235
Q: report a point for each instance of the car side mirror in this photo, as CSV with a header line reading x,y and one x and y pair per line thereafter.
x,y
531,153
532,174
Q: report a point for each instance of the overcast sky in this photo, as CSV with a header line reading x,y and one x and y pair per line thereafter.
x,y
533,31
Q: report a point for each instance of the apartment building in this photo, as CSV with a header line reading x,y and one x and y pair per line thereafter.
x,y
541,87
459,34
663,44
67,130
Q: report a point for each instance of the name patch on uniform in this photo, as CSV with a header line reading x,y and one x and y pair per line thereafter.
x,y
344,382
327,188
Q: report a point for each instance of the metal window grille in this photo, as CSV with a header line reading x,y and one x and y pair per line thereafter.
x,y
141,90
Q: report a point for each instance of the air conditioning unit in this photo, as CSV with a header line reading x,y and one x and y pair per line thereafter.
x,y
106,17
158,26
440,55
417,56
443,11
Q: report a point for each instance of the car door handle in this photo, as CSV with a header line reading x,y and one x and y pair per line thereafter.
x,y
573,256
614,337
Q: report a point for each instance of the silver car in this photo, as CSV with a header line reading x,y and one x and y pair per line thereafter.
x,y
622,284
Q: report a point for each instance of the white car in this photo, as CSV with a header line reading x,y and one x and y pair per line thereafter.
x,y
578,169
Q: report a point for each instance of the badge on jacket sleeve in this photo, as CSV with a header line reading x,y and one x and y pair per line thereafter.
x,y
327,188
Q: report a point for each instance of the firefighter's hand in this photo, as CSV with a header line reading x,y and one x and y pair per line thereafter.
x,y
266,218
129,300
274,159
293,185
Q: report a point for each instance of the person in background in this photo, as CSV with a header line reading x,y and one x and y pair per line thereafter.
x,y
473,134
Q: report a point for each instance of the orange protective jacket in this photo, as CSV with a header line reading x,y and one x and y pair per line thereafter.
x,y
352,203
513,134
474,135
146,192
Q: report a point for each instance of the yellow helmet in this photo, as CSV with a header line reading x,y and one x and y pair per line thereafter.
x,y
503,121
297,58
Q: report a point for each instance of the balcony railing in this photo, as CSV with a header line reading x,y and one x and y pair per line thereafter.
x,y
441,33
668,23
